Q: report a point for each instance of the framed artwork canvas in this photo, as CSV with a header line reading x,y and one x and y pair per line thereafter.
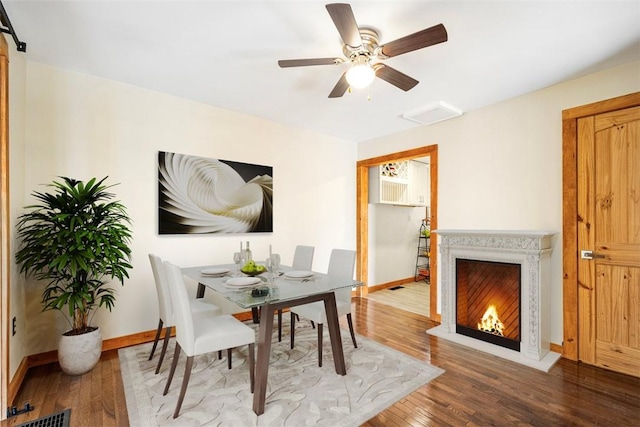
x,y
199,195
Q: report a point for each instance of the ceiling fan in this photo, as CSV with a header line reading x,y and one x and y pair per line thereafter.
x,y
362,50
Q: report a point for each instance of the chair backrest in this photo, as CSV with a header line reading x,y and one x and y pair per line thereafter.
x,y
342,264
303,258
185,335
164,299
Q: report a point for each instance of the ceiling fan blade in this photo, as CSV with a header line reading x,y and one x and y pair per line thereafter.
x,y
395,77
285,63
340,87
429,37
345,22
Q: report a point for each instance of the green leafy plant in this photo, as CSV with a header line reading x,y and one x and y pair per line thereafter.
x,y
77,238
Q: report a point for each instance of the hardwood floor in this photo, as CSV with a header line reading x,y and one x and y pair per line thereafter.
x,y
95,398
476,389
413,297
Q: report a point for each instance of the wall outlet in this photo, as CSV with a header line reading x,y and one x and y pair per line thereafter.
x,y
13,326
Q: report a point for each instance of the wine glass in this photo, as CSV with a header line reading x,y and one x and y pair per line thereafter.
x,y
269,266
237,259
275,263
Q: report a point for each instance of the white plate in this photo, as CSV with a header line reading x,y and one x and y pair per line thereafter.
x,y
214,271
243,281
298,274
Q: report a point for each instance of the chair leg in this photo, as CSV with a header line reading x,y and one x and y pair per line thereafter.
x,y
279,325
165,344
313,325
229,358
219,354
353,335
185,381
320,345
176,355
293,328
252,366
157,338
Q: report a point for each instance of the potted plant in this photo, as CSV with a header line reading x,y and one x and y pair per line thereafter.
x,y
77,239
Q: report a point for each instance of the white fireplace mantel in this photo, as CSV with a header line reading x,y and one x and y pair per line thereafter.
x,y
530,249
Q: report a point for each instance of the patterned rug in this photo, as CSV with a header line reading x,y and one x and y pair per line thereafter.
x,y
299,393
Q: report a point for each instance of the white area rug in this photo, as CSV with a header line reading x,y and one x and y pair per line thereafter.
x,y
299,393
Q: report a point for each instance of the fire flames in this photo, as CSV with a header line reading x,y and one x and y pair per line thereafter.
x,y
491,322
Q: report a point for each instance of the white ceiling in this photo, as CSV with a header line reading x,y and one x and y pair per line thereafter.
x,y
224,53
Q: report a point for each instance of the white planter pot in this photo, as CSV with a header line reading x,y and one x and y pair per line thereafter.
x,y
78,354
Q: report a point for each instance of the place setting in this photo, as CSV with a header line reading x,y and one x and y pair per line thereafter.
x,y
298,275
241,283
215,272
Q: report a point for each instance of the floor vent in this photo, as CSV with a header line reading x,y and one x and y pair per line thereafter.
x,y
61,419
395,288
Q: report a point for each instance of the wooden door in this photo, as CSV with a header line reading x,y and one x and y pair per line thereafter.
x,y
609,226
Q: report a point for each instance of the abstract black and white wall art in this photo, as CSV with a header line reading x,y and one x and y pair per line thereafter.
x,y
198,195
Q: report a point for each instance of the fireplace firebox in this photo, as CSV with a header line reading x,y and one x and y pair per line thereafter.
x,y
488,301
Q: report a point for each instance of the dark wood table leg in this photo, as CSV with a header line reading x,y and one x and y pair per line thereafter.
x,y
200,291
265,330
262,362
255,314
334,332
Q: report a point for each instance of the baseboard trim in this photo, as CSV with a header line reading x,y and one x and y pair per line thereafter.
x,y
556,348
391,284
16,381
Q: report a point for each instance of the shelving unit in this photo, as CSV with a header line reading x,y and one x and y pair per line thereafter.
x,y
423,257
403,183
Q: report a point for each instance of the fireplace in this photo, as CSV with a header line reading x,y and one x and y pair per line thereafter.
x,y
522,259
488,301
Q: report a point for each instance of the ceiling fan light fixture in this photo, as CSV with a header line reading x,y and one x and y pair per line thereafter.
x,y
361,74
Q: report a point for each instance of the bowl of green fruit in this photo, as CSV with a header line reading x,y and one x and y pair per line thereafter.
x,y
253,269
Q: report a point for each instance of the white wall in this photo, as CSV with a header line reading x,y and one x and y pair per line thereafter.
x,y
500,167
82,126
393,242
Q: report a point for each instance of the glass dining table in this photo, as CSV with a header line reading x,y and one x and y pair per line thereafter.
x,y
283,292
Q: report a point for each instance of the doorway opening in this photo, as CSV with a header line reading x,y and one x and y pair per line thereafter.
x,y
362,220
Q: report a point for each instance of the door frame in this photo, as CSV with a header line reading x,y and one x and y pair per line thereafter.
x,y
570,250
362,216
5,259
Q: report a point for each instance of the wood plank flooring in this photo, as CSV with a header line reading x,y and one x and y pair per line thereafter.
x,y
475,390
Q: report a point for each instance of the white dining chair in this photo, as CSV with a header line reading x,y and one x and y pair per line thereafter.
x,y
165,307
341,265
303,258
302,261
201,335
